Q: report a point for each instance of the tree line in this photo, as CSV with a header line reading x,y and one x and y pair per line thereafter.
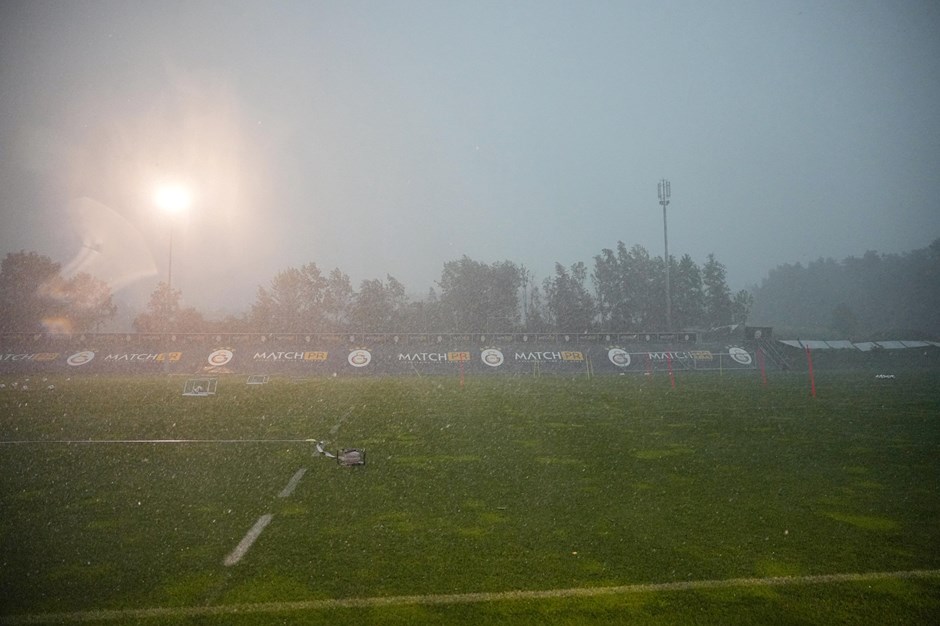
x,y
35,297
875,296
624,290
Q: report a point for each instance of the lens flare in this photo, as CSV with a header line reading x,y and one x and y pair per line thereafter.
x,y
113,249
173,198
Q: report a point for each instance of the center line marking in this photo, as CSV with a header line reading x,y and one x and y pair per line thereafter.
x,y
247,540
378,602
292,483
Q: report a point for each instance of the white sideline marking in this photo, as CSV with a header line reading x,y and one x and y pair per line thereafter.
x,y
342,417
458,598
292,483
77,441
247,540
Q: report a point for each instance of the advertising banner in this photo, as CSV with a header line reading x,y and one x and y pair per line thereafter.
x,y
298,357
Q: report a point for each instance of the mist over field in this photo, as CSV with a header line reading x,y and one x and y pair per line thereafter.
x,y
392,139
449,312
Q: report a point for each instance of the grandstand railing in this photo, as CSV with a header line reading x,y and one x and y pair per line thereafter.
x,y
774,353
360,338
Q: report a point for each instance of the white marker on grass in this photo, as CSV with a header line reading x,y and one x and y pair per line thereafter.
x,y
292,483
248,540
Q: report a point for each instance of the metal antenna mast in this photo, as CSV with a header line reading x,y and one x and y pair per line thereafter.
x,y
665,191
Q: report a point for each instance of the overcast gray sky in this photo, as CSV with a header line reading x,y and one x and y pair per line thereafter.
x,y
390,137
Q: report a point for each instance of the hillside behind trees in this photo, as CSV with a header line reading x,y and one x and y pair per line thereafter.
x,y
875,296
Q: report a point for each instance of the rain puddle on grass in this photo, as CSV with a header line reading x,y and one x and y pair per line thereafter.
x,y
431,459
662,453
868,522
558,460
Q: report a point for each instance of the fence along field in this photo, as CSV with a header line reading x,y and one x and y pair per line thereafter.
x,y
576,493
359,355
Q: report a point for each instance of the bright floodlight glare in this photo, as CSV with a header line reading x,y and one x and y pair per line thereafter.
x,y
173,198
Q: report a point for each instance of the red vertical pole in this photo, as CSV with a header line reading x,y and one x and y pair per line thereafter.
x,y
763,367
812,377
672,378
461,373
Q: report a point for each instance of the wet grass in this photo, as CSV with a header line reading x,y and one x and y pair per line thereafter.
x,y
502,484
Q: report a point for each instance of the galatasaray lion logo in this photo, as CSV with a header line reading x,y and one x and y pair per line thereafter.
x,y
740,355
492,357
359,358
80,358
220,357
620,358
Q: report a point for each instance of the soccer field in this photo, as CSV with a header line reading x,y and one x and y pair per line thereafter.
x,y
519,501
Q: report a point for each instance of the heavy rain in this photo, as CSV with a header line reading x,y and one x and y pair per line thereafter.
x,y
438,312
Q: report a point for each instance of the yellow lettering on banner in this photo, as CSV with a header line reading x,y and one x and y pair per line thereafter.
x,y
701,355
315,356
176,356
47,356
572,356
458,356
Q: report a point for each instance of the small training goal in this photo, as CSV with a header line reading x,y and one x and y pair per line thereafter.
x,y
200,387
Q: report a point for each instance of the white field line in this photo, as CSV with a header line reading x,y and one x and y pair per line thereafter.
x,y
247,540
104,441
292,483
342,417
459,598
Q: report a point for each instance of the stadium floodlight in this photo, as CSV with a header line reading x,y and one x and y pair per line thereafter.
x,y
172,199
665,191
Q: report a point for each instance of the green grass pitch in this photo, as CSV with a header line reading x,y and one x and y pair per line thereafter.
x,y
556,488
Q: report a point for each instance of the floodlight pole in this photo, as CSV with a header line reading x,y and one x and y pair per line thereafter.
x,y
169,268
172,199
166,303
665,191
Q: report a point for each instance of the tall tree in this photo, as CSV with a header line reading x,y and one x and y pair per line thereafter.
x,y
688,302
425,316
293,303
88,302
476,297
24,298
165,314
379,307
190,320
630,287
34,296
718,304
503,296
609,290
741,306
162,311
569,302
337,301
537,318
